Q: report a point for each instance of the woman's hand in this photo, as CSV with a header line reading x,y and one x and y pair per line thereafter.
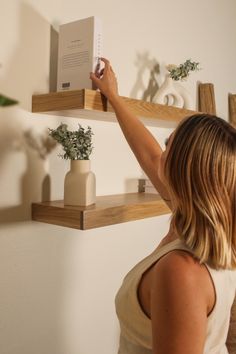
x,y
106,80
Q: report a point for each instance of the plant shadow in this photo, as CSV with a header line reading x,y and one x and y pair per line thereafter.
x,y
146,84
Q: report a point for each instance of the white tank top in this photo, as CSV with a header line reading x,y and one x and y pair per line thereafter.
x,y
136,332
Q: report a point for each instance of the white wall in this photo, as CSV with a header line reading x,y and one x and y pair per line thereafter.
x,y
57,285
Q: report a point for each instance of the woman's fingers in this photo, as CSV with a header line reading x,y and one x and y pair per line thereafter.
x,y
107,64
105,79
101,72
94,78
105,61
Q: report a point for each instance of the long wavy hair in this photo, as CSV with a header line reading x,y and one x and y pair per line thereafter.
x,y
200,169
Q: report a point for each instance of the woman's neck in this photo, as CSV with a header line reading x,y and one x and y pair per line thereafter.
x,y
170,236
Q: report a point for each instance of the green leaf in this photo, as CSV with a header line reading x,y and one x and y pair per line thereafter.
x,y
77,145
6,101
182,71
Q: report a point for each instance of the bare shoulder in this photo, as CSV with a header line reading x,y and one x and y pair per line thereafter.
x,y
179,267
179,257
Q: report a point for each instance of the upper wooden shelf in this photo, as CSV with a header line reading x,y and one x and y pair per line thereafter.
x,y
92,104
108,210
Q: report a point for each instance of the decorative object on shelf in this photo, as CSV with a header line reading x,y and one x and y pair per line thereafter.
x,y
167,94
171,95
80,181
182,71
146,186
206,98
232,109
6,101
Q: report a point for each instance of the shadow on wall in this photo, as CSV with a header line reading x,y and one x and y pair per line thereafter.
x,y
146,84
26,70
32,259
35,183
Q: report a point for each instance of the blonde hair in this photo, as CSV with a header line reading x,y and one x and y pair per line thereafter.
x,y
200,169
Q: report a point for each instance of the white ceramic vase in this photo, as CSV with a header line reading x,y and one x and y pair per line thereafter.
x,y
80,184
168,94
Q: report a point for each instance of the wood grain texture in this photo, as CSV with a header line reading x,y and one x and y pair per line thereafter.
x,y
78,101
154,110
206,98
57,101
108,210
232,109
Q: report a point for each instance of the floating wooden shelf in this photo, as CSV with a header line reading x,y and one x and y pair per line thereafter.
x,y
92,104
108,210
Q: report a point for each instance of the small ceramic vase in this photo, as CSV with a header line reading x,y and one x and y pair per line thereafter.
x,y
172,96
80,184
167,94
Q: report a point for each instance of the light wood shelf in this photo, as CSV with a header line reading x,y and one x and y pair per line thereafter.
x,y
92,104
108,210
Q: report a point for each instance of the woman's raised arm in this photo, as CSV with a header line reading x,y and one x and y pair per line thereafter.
x,y
144,146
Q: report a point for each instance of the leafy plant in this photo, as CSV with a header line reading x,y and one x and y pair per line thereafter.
x,y
182,71
77,145
6,101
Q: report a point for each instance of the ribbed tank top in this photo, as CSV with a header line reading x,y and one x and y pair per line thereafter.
x,y
136,332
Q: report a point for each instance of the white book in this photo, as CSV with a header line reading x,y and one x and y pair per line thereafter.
x,y
79,52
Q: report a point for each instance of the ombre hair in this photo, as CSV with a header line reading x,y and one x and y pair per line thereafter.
x,y
200,170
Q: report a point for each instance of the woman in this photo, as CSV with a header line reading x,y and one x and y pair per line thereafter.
x,y
179,299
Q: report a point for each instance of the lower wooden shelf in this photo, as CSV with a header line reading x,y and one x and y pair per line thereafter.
x,y
108,210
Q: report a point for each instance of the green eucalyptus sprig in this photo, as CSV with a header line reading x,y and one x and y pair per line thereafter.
x,y
182,71
77,145
6,101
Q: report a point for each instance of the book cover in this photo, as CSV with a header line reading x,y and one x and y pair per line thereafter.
x,y
80,47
